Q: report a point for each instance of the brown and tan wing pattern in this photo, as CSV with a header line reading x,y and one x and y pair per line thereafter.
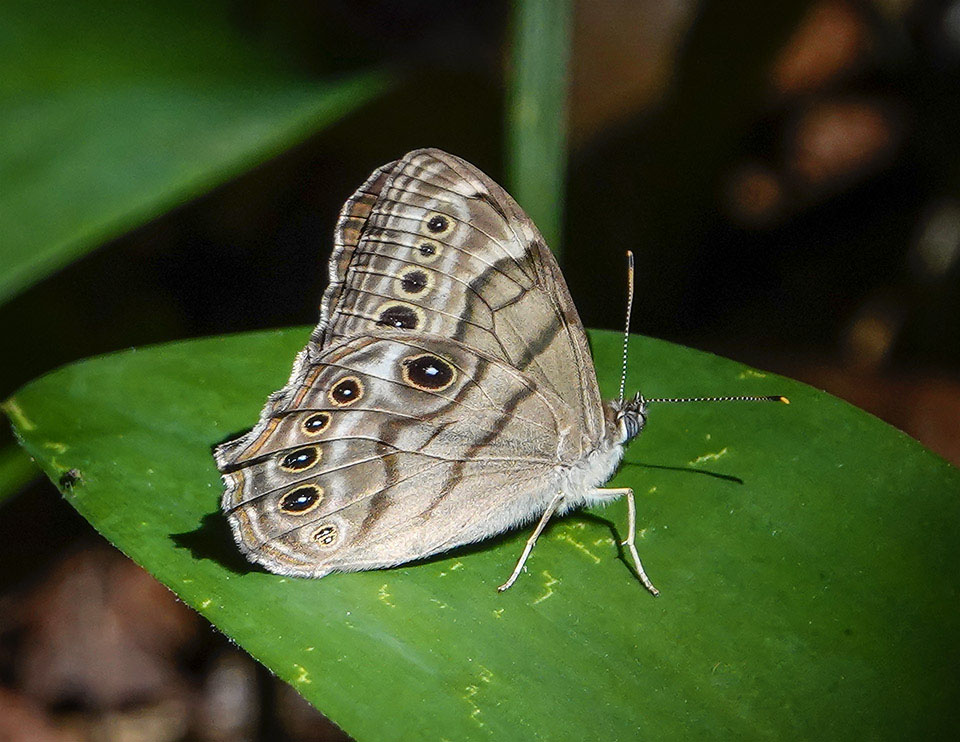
x,y
379,451
431,244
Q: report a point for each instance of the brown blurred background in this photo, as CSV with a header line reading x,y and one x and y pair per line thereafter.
x,y
788,177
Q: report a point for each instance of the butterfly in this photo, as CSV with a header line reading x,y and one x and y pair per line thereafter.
x,y
447,394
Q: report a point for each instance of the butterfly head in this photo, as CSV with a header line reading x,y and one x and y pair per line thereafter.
x,y
629,417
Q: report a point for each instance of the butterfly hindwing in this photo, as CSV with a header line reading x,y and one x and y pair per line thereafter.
x,y
373,454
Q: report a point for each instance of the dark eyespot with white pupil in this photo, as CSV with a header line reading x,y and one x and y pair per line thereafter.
x,y
438,223
428,372
325,535
427,249
399,316
300,459
316,423
301,499
346,391
414,282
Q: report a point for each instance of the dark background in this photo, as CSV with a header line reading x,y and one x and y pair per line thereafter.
x,y
787,174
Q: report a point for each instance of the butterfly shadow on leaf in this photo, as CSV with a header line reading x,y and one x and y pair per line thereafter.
x,y
686,469
514,537
667,467
212,540
487,544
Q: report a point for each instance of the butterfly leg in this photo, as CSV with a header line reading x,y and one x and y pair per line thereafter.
x,y
551,508
630,541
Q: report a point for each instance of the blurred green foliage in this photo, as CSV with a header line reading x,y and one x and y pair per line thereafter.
x,y
114,112
537,112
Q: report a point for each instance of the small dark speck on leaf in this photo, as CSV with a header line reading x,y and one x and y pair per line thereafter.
x,y
69,478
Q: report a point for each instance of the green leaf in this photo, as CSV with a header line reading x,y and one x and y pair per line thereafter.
x,y
537,111
16,471
807,557
113,112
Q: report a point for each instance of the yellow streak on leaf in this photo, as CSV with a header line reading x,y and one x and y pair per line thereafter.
x,y
569,539
383,595
551,581
17,416
709,456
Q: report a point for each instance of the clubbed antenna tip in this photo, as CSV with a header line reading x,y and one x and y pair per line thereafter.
x,y
768,398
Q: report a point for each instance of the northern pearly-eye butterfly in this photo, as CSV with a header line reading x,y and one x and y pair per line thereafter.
x,y
447,395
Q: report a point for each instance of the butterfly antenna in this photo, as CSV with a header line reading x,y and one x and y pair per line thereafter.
x,y
769,398
626,328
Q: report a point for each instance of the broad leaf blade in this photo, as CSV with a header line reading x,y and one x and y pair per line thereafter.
x,y
806,555
112,113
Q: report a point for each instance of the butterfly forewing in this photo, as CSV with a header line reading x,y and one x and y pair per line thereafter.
x,y
445,250
353,218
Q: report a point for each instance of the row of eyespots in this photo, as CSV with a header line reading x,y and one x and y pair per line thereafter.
x,y
435,225
304,499
424,371
413,281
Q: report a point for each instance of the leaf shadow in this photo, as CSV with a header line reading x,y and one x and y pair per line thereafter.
x,y
687,469
227,438
213,540
498,540
466,550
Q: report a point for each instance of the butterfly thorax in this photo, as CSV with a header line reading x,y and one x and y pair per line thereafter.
x,y
623,421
